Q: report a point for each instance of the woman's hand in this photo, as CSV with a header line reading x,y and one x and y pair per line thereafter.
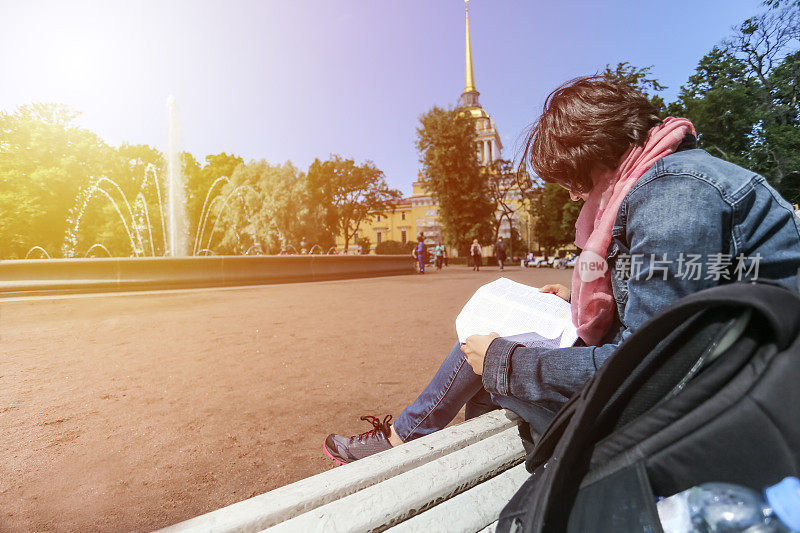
x,y
475,350
557,289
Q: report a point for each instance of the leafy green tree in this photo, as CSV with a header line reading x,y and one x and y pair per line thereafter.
x,y
781,3
551,211
451,173
45,159
555,214
347,193
718,99
743,96
767,45
121,207
784,132
364,243
193,182
260,210
394,248
500,176
199,183
639,78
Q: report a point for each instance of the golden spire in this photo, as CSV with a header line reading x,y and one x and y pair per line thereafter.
x,y
469,76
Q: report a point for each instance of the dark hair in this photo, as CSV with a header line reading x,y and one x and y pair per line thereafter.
x,y
588,121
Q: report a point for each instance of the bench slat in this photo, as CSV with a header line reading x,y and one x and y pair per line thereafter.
x,y
472,510
410,493
264,510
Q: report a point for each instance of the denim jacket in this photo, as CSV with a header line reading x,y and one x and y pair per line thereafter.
x,y
689,205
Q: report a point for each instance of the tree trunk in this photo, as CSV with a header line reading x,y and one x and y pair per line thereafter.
x,y
346,237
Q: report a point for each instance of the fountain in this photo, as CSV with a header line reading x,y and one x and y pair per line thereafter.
x,y
42,252
176,192
99,246
155,225
155,228
201,226
135,220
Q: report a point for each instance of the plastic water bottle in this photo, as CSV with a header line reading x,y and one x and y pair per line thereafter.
x,y
727,508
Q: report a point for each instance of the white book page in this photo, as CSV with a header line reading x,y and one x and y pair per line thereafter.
x,y
510,308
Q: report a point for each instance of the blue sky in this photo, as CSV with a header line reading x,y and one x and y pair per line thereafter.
x,y
294,80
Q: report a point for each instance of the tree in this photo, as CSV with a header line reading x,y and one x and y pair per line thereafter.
x,y
261,209
550,208
743,95
767,47
781,3
450,171
764,40
502,181
364,244
555,215
640,78
139,170
394,248
718,99
349,193
198,184
783,134
45,159
195,186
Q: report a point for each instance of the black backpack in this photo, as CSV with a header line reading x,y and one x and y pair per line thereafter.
x,y
709,390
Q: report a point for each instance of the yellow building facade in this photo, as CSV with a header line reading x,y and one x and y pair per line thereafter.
x,y
416,215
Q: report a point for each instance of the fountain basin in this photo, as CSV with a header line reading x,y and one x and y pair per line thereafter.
x,y
66,276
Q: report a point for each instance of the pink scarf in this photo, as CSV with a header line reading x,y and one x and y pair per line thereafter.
x,y
593,303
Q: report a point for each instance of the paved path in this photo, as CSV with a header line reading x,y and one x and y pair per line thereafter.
x,y
136,411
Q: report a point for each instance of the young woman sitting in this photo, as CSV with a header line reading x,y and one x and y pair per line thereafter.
x,y
661,220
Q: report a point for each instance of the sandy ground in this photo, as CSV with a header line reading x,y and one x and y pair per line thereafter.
x,y
136,411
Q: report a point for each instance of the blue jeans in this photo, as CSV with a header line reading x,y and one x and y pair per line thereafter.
x,y
453,386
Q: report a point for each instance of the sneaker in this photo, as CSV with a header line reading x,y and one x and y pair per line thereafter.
x,y
345,450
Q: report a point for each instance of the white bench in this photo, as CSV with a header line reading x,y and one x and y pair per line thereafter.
x,y
457,479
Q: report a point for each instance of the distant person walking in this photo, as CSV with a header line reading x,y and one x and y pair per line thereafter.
x,y
420,253
439,251
477,256
500,251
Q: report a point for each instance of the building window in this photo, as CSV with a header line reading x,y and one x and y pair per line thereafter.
x,y
378,238
355,235
403,235
403,215
378,218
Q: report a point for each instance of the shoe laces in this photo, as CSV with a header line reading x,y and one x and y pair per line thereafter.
x,y
377,426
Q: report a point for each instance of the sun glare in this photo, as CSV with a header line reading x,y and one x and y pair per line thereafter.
x,y
81,62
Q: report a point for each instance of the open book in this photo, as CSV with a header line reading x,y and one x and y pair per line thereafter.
x,y
519,313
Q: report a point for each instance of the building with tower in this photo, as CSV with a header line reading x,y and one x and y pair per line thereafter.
x,y
418,214
488,140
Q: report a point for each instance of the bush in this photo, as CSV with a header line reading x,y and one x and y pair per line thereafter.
x,y
394,248
364,243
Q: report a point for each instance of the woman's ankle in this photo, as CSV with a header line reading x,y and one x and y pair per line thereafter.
x,y
394,439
